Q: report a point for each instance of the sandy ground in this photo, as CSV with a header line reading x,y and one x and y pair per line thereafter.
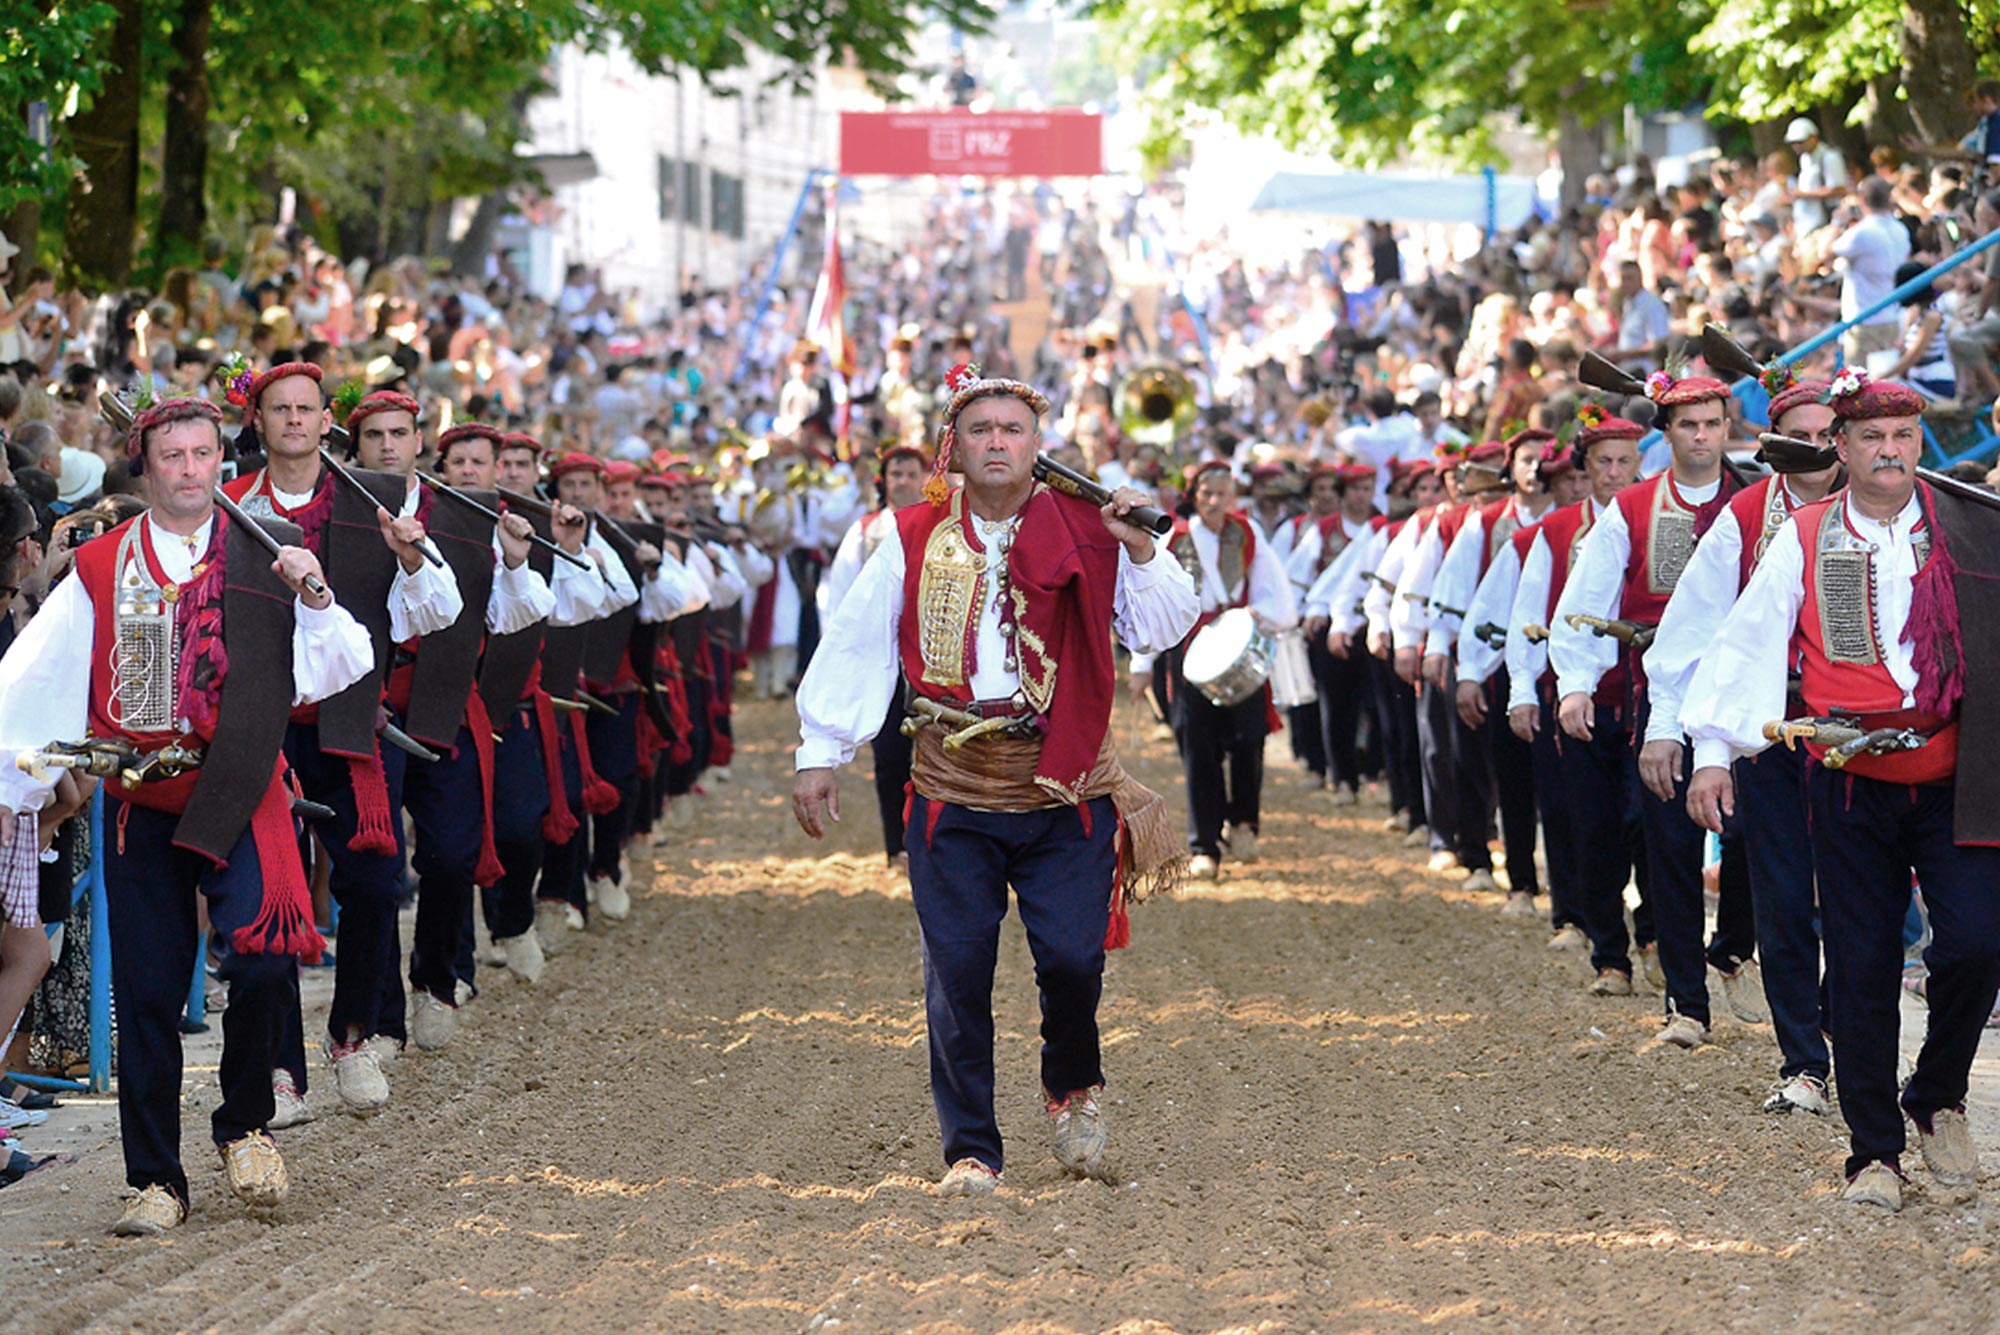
x,y
1345,1097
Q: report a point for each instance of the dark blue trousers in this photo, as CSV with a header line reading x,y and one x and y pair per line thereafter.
x,y
892,774
365,885
1559,852
1062,876
445,806
1222,759
1513,783
520,800
1771,808
1342,683
614,751
1596,783
149,890
1868,837
1437,766
1396,707
563,864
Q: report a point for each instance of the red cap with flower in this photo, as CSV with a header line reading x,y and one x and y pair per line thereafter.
x,y
1534,435
1556,460
967,386
258,384
1671,391
1856,398
162,413
1797,394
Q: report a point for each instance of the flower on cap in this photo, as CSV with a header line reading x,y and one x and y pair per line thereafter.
x,y
961,376
1658,383
1849,381
1777,377
236,374
1592,414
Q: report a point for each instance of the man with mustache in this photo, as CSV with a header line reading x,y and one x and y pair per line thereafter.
x,y
1859,589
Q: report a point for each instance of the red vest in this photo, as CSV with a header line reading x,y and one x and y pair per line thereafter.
x,y
1852,678
1664,529
1564,531
198,604
1759,510
1181,546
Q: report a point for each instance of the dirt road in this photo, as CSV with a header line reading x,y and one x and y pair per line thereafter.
x,y
1345,1097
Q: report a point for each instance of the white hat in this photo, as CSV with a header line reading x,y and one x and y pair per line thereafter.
x,y
8,250
1801,130
82,474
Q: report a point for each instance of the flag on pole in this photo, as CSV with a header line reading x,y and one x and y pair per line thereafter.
x,y
826,325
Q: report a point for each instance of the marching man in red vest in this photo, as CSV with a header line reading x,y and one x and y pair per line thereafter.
x,y
997,602
1858,589
1222,746
170,622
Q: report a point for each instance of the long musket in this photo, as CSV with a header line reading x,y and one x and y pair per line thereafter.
x,y
1065,479
1963,490
1625,632
263,539
353,484
452,493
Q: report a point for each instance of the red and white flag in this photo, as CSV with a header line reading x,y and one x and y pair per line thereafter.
x,y
826,324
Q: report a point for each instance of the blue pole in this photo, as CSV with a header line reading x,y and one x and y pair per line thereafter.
x,y
100,955
771,276
1834,331
1492,182
197,1003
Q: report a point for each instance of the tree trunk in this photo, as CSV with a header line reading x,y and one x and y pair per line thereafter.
x,y
1937,67
103,216
22,225
1580,150
184,159
469,252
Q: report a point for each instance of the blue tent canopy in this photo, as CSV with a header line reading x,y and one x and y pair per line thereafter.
x,y
1497,201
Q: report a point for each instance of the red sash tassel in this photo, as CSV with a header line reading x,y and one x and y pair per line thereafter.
x,y
480,725
284,921
558,822
374,832
599,797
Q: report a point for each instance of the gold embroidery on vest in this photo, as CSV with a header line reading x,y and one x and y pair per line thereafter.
x,y
1669,541
948,595
1037,670
1776,512
1844,586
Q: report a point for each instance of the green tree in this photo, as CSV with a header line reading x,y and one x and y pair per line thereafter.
x,y
45,56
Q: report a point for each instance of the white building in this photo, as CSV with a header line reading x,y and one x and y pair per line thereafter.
x,y
690,179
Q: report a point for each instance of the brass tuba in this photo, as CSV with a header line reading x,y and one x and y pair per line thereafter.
x,y
1156,405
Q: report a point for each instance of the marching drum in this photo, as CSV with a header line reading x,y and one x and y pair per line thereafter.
x,y
1291,672
1229,659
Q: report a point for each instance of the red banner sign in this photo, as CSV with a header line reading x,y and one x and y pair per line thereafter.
x,y
967,143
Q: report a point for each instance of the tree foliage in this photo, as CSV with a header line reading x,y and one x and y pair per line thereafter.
x,y
1375,79
367,106
45,55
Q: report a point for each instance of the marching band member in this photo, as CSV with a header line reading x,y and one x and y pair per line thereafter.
x,y
1328,534
1222,747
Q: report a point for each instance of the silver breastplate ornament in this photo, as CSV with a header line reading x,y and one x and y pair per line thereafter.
x,y
144,648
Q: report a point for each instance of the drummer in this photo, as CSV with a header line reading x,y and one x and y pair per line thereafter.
x,y
1222,746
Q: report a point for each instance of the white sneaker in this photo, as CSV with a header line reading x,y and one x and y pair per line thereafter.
x,y
1948,1149
1683,1031
1743,993
433,1023
14,1116
1077,1124
1801,1093
552,925
1202,867
1648,960
1397,822
358,1078
1443,860
386,1049
1520,904
291,1109
1418,837
1481,882
1877,1185
1344,797
969,1177
721,774
612,900
523,956
1242,844
1569,937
